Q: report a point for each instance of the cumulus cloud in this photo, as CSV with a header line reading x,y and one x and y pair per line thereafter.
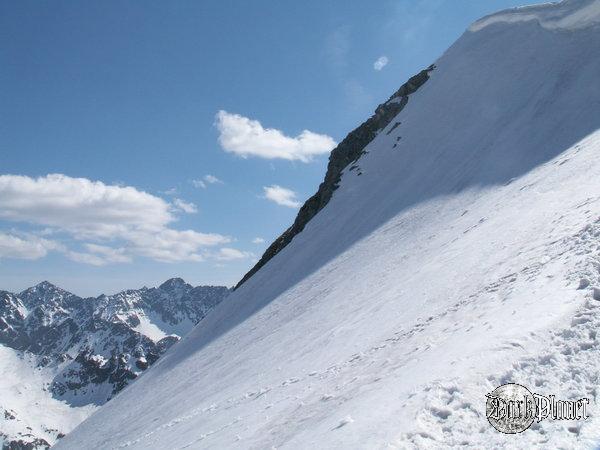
x,y
29,247
104,214
79,205
246,137
184,206
281,196
258,240
381,62
206,180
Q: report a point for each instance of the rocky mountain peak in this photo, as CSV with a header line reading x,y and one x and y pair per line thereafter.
x,y
174,284
44,293
45,285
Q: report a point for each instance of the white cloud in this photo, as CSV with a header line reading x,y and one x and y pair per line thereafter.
x,y
258,240
29,246
86,258
26,247
79,205
246,137
184,206
211,179
173,246
171,191
207,179
281,196
93,211
381,62
229,254
109,254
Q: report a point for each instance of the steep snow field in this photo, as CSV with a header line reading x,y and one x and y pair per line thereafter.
x,y
459,259
27,411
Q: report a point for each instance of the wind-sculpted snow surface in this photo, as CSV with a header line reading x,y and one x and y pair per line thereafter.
x,y
566,15
465,255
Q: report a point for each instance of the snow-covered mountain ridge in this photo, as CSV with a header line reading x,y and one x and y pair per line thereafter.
x,y
565,15
69,354
465,255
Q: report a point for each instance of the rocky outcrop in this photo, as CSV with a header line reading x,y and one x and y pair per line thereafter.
x,y
20,444
347,151
12,315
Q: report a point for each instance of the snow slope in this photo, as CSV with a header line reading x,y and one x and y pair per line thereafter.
x,y
451,261
28,412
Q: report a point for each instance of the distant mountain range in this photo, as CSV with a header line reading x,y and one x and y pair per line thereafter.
x,y
68,354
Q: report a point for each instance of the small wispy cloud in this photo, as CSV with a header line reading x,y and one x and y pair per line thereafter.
x,y
381,62
338,51
171,191
246,137
258,240
31,247
336,48
211,179
206,180
99,255
184,206
109,254
410,24
231,254
281,196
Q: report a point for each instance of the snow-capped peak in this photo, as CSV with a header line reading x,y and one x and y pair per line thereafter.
x,y
174,284
44,286
45,294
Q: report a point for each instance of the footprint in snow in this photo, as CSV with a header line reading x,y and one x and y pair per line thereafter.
x,y
345,421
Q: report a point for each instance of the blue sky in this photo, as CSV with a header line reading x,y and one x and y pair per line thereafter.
x,y
122,99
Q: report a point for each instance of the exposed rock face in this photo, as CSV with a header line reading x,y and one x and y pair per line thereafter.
x,y
347,151
92,348
12,316
20,444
